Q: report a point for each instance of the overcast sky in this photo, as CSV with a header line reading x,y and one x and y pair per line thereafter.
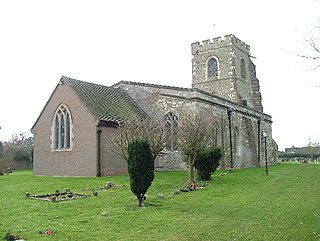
x,y
150,41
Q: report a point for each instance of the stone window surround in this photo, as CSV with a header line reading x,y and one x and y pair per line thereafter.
x,y
218,67
243,69
53,137
171,121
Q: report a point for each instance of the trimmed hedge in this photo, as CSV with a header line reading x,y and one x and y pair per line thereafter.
x,y
299,155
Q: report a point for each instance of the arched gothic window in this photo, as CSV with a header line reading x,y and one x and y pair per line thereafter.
x,y
62,124
243,69
171,122
212,68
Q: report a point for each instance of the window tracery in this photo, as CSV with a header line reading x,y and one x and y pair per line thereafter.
x,y
171,122
62,128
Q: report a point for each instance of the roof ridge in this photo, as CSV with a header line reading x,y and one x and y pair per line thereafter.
x,y
87,82
149,85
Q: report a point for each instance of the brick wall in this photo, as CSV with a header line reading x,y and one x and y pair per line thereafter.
x,y
112,163
81,160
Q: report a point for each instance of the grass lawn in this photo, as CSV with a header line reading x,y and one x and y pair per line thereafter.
x,y
243,205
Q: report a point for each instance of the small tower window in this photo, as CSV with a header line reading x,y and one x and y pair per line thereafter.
x,y
243,69
212,68
62,129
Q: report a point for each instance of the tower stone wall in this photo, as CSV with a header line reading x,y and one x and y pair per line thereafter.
x,y
236,79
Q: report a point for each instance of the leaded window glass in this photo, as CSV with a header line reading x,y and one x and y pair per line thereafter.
x,y
62,129
56,132
62,125
171,122
68,134
212,67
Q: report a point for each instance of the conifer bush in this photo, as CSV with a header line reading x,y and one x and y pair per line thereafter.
x,y
207,162
140,168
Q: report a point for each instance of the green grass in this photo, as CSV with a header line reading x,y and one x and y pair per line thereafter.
x,y
243,205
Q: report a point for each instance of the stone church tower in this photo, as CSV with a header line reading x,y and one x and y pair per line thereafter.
x,y
223,67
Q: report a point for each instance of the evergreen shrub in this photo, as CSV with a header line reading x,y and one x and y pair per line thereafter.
x,y
207,162
140,168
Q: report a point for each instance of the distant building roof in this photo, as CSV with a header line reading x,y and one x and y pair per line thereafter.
x,y
105,103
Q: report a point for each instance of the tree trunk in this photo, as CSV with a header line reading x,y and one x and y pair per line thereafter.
x,y
191,177
140,199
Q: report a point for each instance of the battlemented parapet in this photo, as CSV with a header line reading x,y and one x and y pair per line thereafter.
x,y
223,66
219,42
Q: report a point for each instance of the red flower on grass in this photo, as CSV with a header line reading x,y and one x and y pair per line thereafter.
x,y
48,232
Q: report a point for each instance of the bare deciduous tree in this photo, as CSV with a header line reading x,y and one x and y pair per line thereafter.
x,y
194,135
313,44
18,149
154,131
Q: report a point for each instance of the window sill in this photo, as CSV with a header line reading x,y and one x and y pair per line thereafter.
x,y
61,150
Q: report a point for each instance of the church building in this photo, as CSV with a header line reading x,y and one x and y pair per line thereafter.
x,y
74,133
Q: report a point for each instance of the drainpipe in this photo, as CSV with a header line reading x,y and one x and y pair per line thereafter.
x,y
259,140
99,131
229,112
